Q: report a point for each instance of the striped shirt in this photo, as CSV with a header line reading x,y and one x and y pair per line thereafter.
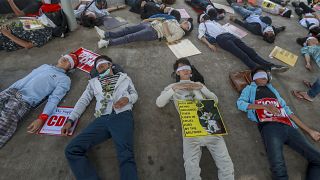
x,y
108,83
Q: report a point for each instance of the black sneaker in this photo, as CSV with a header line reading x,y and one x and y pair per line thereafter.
x,y
279,68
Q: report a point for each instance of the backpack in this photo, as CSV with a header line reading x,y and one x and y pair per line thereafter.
x,y
116,68
58,17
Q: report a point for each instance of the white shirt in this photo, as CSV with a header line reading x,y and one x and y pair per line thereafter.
x,y
212,28
303,21
92,8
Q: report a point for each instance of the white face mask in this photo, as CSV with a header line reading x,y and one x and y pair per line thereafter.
x,y
106,73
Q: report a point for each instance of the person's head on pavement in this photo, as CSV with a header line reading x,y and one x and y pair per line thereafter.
x,y
260,76
268,34
103,65
312,41
187,26
68,61
203,17
183,70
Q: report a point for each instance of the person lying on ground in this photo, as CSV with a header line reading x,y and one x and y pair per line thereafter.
x,y
14,37
313,32
207,7
278,125
308,18
283,3
312,50
189,82
20,7
17,100
148,30
310,95
91,14
255,22
274,8
151,8
115,95
211,33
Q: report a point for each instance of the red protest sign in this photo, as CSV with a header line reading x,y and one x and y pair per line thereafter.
x,y
265,116
86,59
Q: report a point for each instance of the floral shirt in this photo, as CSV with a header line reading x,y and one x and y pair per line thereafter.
x,y
37,37
313,51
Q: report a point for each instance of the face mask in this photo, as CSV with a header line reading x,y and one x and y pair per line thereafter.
x,y
105,73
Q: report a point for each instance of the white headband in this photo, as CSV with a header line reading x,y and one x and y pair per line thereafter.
x,y
309,38
189,23
313,26
260,75
70,59
267,29
171,9
186,67
208,8
102,62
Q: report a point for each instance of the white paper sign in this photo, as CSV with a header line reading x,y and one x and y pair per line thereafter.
x,y
184,48
235,30
56,121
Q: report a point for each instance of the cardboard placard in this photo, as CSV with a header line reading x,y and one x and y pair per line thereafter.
x,y
235,30
184,14
284,56
200,118
57,120
184,48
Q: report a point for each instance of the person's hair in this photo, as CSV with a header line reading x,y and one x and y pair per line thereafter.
x,y
176,14
187,32
101,57
196,76
205,17
212,13
287,14
88,21
261,68
269,38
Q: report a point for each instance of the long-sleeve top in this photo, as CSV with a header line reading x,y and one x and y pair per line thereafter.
x,y
176,32
248,96
253,24
92,8
313,51
211,28
169,94
46,80
123,88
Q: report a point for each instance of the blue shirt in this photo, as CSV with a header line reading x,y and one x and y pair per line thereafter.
x,y
46,80
248,96
313,51
254,18
165,16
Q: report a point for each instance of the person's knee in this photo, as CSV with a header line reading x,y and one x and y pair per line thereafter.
x,y
72,150
126,155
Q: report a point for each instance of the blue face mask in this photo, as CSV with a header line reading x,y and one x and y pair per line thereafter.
x,y
105,73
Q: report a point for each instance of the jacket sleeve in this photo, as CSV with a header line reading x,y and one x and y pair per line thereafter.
x,y
133,95
165,96
56,96
82,103
243,100
210,95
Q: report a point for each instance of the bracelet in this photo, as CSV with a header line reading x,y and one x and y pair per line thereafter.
x,y
43,117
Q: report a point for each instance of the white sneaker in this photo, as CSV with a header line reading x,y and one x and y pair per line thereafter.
x,y
100,32
103,43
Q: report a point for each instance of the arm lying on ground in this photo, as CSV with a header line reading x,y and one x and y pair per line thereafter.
x,y
7,32
15,9
165,96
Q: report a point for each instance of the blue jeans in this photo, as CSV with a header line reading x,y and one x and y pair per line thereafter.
x,y
201,4
140,32
120,128
274,136
315,89
239,49
245,12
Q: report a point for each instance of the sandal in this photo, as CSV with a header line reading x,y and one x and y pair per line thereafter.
x,y
307,83
299,96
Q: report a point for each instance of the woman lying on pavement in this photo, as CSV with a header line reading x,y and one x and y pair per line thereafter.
x,y
148,30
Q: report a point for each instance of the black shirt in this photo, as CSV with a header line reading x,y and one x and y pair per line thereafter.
x,y
27,6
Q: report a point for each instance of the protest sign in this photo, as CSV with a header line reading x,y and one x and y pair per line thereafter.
x,y
284,56
56,121
184,48
200,118
265,116
86,59
235,30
